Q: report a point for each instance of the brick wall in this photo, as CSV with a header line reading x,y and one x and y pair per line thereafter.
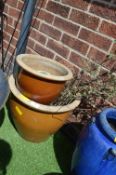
x,y
71,31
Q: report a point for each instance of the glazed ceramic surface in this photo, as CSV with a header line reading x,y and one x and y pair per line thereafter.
x,y
38,89
33,125
40,78
36,122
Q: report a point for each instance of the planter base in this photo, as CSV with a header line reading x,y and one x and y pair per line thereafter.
x,y
34,121
33,125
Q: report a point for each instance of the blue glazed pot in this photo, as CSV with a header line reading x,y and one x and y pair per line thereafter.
x,y
95,153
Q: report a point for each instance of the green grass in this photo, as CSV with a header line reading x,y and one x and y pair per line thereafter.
x,y
20,157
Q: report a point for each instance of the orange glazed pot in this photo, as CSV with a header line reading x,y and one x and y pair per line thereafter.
x,y
40,78
36,122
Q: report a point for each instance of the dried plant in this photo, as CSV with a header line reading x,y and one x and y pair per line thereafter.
x,y
95,86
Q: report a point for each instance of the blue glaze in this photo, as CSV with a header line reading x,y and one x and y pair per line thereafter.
x,y
95,153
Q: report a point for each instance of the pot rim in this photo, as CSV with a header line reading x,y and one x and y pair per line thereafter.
x,y
42,74
38,106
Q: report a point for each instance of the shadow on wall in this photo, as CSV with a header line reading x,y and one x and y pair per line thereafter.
x,y
64,148
5,156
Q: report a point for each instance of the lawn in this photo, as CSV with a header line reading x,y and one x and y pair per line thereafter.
x,y
20,157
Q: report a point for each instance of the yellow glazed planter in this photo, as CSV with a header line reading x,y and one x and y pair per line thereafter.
x,y
41,79
36,122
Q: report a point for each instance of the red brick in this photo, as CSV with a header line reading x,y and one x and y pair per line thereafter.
x,y
46,16
96,55
43,51
6,44
84,19
110,64
17,25
75,44
42,3
113,50
31,43
20,5
81,4
10,21
66,26
58,48
103,11
28,51
58,9
72,67
38,36
50,31
13,12
11,49
95,39
9,29
6,36
14,42
16,34
35,23
108,29
78,60
12,3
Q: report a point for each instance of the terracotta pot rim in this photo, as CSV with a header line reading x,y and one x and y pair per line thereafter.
x,y
38,106
67,72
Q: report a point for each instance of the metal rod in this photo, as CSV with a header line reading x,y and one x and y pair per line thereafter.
x,y
25,28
